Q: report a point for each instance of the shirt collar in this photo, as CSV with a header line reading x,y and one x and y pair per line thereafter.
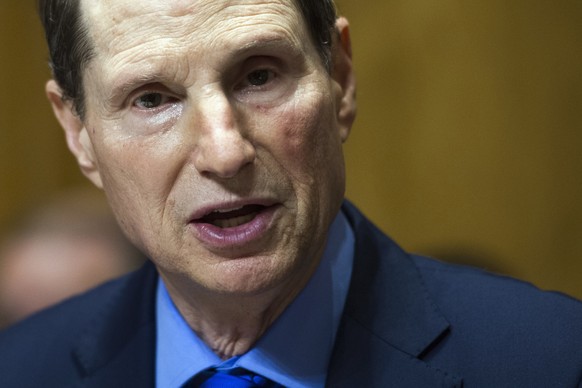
x,y
294,351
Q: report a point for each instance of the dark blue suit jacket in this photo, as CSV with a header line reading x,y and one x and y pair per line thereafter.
x,y
408,322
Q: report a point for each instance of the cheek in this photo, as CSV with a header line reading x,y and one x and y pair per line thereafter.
x,y
145,163
138,177
295,132
309,140
303,141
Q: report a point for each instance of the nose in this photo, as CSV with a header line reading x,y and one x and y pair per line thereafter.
x,y
221,148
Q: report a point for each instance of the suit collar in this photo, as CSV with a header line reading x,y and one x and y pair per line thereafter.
x,y
389,314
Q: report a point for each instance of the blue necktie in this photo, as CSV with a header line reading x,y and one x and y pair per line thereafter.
x,y
229,378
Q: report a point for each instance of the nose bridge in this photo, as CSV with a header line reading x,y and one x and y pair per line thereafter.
x,y
222,148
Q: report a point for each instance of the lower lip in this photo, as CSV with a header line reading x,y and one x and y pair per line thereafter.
x,y
238,236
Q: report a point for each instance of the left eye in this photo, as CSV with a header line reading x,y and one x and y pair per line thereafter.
x,y
259,77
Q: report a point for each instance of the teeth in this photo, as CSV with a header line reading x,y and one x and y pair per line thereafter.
x,y
227,210
232,222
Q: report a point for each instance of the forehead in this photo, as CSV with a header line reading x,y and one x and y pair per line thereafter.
x,y
119,11
119,25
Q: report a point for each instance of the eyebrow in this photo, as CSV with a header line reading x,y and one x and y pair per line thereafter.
x,y
268,43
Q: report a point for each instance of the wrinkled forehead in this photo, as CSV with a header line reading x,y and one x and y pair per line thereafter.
x,y
186,39
176,8
110,20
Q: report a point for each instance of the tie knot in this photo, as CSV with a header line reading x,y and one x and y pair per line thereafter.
x,y
229,378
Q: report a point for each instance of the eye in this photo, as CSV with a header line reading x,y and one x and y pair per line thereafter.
x,y
259,77
263,81
151,100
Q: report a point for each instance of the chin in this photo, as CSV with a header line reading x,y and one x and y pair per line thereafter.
x,y
251,276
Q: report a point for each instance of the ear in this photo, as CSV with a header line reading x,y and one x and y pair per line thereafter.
x,y
75,132
343,74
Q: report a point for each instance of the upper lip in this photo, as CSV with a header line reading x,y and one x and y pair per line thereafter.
x,y
229,206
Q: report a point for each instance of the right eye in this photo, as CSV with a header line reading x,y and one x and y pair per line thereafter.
x,y
151,100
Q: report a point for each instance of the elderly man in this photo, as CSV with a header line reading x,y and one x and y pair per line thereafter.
x,y
215,129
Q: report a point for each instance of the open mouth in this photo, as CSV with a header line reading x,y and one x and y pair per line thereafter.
x,y
231,218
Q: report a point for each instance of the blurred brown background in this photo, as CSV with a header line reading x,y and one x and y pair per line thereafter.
x,y
468,143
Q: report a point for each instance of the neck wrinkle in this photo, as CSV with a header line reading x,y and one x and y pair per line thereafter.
x,y
229,325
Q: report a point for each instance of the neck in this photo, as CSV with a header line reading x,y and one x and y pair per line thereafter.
x,y
231,324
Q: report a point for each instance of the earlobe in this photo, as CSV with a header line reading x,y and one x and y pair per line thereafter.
x,y
76,134
343,74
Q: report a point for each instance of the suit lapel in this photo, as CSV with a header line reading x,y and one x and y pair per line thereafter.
x,y
362,359
389,319
118,349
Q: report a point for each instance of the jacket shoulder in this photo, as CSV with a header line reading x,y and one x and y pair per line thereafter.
x,y
45,342
506,324
452,284
486,329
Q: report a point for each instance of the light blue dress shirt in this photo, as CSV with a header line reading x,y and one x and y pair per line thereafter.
x,y
294,351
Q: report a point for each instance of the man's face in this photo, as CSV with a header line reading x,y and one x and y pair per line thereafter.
x,y
216,133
